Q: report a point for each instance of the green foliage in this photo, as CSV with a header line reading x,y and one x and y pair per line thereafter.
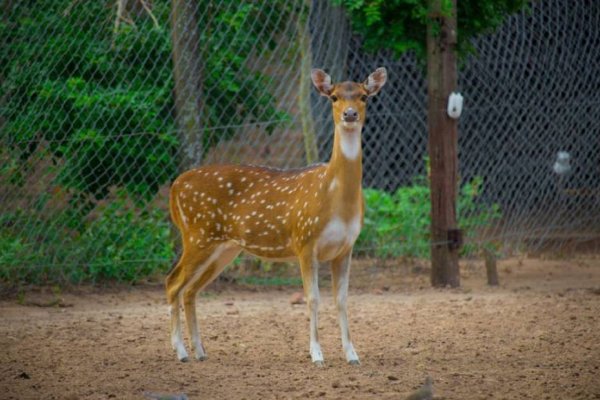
x,y
89,95
103,100
238,92
269,281
401,25
121,243
398,224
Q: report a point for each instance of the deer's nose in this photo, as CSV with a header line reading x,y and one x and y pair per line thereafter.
x,y
350,115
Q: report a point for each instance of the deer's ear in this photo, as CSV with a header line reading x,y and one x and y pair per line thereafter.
x,y
375,81
322,81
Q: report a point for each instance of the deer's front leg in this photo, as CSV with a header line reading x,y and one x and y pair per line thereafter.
x,y
309,267
340,273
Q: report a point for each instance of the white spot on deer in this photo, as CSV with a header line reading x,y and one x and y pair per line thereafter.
x,y
333,185
243,179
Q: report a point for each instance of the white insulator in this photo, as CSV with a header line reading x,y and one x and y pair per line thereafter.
x,y
455,104
562,165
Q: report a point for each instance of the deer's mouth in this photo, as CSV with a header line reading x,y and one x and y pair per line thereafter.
x,y
352,124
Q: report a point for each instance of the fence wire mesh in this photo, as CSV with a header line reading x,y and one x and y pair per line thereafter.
x,y
103,103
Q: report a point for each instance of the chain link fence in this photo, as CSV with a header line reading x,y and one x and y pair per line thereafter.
x,y
103,103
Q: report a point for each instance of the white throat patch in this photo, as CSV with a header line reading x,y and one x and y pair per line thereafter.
x,y
350,142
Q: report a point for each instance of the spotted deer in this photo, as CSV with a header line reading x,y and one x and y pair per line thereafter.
x,y
310,215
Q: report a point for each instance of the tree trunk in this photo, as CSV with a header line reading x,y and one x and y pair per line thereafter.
x,y
443,145
187,74
308,126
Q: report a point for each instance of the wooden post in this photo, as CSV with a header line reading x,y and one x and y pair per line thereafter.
x,y
490,268
443,145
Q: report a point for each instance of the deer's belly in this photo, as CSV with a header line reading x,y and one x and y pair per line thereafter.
x,y
337,237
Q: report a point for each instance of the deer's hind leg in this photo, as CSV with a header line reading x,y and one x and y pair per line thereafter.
x,y
206,272
182,275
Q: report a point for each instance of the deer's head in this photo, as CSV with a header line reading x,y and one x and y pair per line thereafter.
x,y
349,99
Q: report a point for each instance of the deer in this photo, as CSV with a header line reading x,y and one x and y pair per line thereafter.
x,y
311,215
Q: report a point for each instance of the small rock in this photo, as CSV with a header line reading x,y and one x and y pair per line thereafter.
x,y
297,298
392,378
24,375
229,303
165,396
424,393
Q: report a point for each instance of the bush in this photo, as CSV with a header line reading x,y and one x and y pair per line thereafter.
x,y
121,244
398,224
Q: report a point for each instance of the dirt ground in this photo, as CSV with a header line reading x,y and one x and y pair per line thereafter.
x,y
537,336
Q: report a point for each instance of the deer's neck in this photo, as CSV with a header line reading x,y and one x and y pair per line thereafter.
x,y
345,170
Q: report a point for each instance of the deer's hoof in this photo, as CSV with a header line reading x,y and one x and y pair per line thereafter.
x,y
353,362
319,363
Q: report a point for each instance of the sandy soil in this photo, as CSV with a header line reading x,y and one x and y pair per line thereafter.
x,y
537,336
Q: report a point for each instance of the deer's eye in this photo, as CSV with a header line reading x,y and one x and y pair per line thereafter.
x,y
364,98
333,98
